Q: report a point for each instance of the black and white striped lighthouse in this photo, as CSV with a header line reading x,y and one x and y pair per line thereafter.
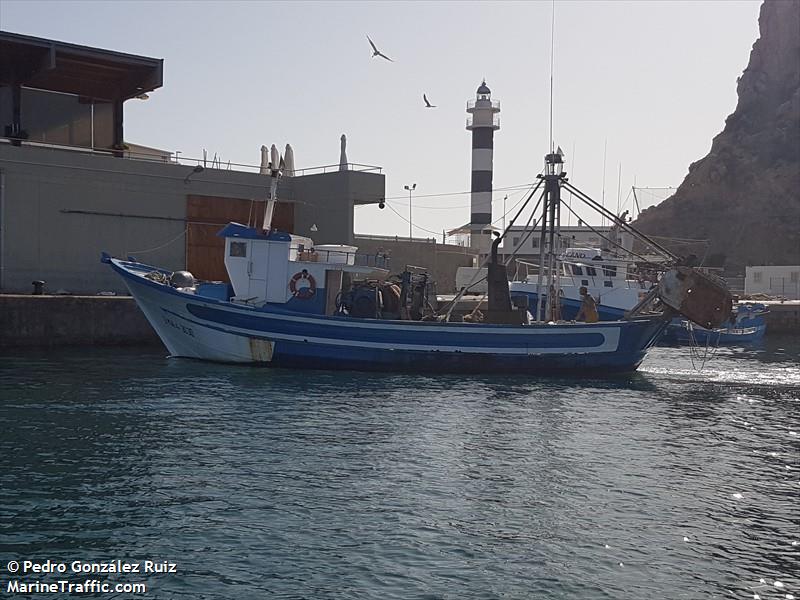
x,y
483,122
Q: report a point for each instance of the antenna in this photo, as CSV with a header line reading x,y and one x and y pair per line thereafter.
x,y
603,196
569,203
552,52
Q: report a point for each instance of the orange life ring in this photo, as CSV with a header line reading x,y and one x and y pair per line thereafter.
x,y
305,292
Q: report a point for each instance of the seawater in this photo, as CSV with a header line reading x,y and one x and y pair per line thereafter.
x,y
259,483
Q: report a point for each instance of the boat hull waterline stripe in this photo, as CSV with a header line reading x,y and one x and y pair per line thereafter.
x,y
609,342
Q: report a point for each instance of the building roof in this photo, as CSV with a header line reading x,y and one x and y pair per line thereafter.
x,y
81,70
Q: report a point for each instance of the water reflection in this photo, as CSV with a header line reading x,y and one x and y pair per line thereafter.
x,y
667,483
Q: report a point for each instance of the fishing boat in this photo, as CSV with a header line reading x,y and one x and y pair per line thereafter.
x,y
607,278
747,325
292,304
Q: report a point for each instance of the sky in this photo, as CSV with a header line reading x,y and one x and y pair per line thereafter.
x,y
639,88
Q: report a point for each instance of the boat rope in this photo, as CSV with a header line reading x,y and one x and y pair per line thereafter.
x,y
164,245
708,353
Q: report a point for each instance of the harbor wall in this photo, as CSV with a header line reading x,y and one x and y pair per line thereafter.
x,y
73,320
783,317
60,208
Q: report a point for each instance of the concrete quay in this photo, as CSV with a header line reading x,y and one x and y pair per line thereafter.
x,y
783,317
27,321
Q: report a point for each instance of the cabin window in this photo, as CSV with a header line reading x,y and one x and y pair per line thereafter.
x,y
576,270
515,241
757,277
584,282
238,249
610,271
608,283
535,242
591,271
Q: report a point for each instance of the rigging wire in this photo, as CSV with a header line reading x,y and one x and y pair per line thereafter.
x,y
519,186
530,231
410,223
437,233
610,241
405,204
613,218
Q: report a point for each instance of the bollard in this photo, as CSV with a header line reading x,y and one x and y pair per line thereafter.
x,y
38,287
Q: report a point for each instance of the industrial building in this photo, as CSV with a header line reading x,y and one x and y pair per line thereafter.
x,y
72,185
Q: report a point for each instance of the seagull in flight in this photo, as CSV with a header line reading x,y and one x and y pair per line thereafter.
x,y
427,104
376,52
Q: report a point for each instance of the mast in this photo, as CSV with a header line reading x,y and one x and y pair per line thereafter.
x,y
554,164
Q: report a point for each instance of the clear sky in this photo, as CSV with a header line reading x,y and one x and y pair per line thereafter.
x,y
650,81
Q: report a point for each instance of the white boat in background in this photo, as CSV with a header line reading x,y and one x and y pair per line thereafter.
x,y
606,278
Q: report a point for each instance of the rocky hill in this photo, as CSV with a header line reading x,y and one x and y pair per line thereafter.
x,y
744,196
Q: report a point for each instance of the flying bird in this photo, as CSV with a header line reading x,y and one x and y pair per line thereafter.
x,y
427,104
376,52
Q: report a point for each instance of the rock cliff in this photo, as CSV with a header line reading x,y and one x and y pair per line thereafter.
x,y
744,196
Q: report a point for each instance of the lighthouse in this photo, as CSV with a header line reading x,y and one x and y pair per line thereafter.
x,y
483,121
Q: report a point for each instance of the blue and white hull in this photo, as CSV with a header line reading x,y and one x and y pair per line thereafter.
x,y
194,326
569,306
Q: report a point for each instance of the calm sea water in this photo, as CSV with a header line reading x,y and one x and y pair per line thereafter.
x,y
670,483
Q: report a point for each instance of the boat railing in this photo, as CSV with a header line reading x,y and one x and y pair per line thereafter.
x,y
378,261
689,326
599,281
299,253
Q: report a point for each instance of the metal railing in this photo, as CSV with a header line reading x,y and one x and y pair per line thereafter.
x,y
495,122
175,158
493,104
784,287
298,253
394,238
379,261
337,167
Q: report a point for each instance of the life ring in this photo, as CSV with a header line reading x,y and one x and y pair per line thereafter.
x,y
304,292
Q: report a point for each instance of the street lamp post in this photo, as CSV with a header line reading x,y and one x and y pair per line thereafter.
x,y
410,189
